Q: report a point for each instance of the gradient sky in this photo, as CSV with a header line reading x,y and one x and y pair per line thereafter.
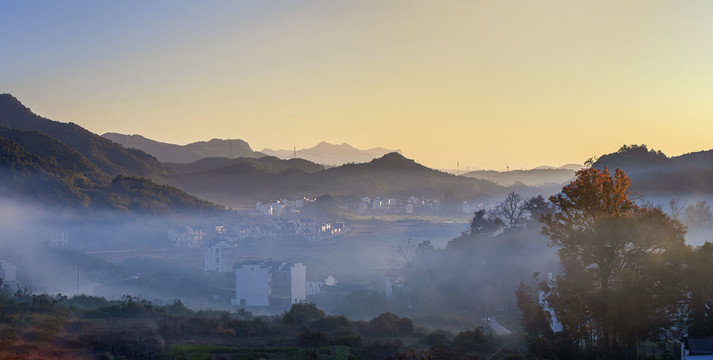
x,y
488,84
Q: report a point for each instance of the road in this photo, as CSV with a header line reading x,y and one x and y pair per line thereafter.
x,y
497,328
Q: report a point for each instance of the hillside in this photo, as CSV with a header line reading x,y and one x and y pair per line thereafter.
x,y
268,164
391,175
110,157
533,177
55,152
36,165
165,152
27,174
653,172
331,154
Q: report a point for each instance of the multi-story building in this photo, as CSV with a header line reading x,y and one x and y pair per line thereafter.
x,y
274,284
219,255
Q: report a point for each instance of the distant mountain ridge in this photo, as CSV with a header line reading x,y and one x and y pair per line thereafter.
x,y
539,176
391,175
331,154
62,165
183,154
268,164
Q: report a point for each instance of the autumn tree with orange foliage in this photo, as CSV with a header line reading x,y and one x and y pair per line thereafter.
x,y
621,265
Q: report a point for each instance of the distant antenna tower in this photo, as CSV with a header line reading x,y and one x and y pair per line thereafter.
x,y
294,152
457,168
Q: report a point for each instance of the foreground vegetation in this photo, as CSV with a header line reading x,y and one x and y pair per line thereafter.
x,y
85,327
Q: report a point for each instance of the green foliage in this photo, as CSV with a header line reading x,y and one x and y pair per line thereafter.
x,y
64,165
389,325
362,304
303,314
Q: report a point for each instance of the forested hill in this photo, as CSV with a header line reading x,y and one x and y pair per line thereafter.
x,y
36,165
268,164
652,171
391,175
110,157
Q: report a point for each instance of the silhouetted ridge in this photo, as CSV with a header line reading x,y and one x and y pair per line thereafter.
x,y
395,161
391,175
108,156
267,164
63,165
652,171
632,156
183,154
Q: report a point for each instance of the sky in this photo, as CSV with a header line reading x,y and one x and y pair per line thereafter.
x,y
486,84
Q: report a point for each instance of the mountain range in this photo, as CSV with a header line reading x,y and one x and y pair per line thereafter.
x,y
331,154
165,152
540,176
323,153
392,175
63,164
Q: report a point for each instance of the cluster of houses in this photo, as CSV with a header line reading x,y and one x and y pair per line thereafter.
x,y
271,229
411,205
282,207
363,205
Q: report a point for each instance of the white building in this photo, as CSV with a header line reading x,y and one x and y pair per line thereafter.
x,y
8,273
315,287
275,284
190,237
218,255
252,282
362,208
59,238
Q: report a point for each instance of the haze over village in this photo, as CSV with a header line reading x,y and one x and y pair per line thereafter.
x,y
357,180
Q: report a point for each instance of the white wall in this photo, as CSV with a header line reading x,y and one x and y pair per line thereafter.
x,y
251,284
298,272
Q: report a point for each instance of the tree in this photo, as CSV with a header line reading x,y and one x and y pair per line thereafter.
x,y
484,224
535,320
698,215
699,282
511,210
676,209
537,206
620,263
